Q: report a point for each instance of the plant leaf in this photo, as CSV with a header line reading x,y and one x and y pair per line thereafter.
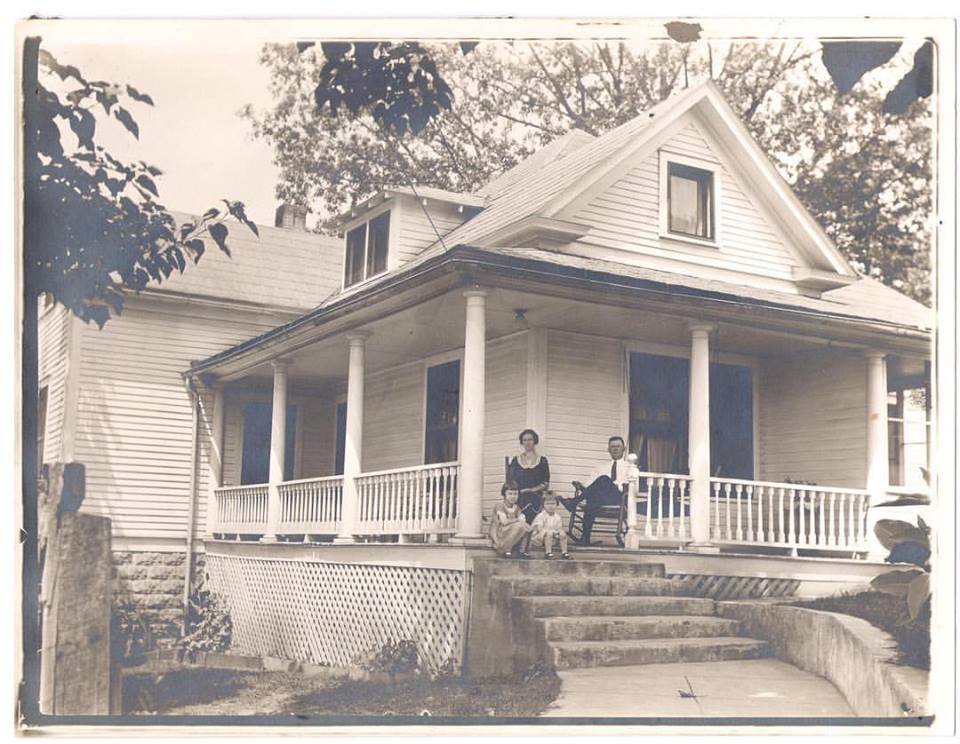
x,y
892,532
125,118
896,583
219,233
136,95
917,594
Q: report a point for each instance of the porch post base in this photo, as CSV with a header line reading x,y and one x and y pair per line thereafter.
x,y
344,539
632,540
699,547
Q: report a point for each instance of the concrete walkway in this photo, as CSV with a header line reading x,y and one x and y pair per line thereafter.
x,y
762,688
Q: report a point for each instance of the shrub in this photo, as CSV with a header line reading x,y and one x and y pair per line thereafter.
x,y
208,627
907,544
395,657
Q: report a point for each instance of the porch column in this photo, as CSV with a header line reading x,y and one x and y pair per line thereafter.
x,y
878,463
699,436
353,449
278,438
215,459
472,426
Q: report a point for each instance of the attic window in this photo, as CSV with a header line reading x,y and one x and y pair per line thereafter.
x,y
367,250
690,201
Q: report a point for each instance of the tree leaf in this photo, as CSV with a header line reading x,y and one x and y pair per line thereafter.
x,y
136,95
84,125
146,182
892,532
896,583
918,83
219,233
918,592
848,61
124,117
211,213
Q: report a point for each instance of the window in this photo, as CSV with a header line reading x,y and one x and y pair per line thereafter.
x,y
659,415
41,427
367,250
257,423
340,439
908,436
690,201
443,413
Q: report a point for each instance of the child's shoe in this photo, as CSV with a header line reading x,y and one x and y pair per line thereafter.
x,y
566,556
523,555
549,556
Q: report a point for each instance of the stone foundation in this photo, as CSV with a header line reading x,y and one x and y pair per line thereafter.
x,y
151,582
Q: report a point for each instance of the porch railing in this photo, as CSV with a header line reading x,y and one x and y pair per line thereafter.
x,y
241,509
663,506
311,506
421,500
788,515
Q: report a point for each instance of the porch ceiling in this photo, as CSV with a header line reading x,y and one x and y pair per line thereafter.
x,y
436,326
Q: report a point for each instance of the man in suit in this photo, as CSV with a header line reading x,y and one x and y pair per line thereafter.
x,y
605,489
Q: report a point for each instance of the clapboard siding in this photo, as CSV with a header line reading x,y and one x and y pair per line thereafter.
x,y
133,416
393,418
416,232
260,269
53,342
505,412
813,423
625,217
584,404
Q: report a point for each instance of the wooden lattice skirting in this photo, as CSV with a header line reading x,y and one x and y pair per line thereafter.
x,y
339,614
735,587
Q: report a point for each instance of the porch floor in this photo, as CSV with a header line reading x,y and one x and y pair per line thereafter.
x,y
761,688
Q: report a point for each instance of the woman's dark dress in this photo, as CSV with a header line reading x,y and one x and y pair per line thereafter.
x,y
530,503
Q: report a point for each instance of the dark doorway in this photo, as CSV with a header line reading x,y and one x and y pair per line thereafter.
x,y
443,413
257,422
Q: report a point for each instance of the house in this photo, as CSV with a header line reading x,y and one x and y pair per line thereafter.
x,y
116,400
660,282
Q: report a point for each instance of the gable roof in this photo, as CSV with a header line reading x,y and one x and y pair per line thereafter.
x,y
556,150
548,191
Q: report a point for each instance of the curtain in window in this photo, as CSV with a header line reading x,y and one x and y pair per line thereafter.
x,y
686,215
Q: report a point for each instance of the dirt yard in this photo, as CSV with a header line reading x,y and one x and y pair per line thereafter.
x,y
180,691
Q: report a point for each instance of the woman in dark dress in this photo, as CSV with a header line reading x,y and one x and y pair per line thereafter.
x,y
531,472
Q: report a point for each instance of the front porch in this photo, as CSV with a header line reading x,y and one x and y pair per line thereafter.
x,y
791,468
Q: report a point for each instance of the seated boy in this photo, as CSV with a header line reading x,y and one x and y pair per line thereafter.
x,y
548,526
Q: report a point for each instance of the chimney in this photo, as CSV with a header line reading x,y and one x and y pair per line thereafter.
x,y
291,216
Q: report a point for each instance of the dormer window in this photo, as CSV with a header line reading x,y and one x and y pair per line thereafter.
x,y
367,250
688,200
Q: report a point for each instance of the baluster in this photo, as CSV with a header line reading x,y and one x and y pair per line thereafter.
x,y
761,535
647,522
802,514
750,535
727,493
791,505
737,489
850,531
831,537
671,528
780,527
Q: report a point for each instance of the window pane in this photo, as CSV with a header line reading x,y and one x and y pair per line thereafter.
x,y
443,412
690,201
379,240
353,263
255,459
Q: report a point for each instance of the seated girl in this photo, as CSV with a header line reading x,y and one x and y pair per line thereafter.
x,y
508,527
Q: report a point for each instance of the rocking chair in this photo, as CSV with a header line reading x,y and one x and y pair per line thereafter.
x,y
610,519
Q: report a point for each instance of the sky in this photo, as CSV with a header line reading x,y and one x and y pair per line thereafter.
x,y
200,74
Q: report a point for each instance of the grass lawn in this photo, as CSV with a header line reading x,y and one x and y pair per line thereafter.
x,y
887,613
222,692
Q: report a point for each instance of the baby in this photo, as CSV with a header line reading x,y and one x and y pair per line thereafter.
x,y
548,527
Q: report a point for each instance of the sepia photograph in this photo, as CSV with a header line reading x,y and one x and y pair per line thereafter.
x,y
570,375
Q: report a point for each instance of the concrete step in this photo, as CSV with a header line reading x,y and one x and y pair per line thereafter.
x,y
637,627
565,606
576,567
524,586
574,655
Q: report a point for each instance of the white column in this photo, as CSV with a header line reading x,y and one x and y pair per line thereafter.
x,y
215,459
278,437
699,436
353,449
472,425
632,538
878,463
